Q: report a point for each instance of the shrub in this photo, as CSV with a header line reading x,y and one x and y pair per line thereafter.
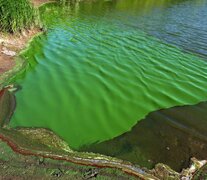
x,y
16,15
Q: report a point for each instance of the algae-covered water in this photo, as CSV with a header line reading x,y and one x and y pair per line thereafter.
x,y
105,65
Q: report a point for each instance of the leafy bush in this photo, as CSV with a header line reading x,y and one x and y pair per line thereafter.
x,y
16,15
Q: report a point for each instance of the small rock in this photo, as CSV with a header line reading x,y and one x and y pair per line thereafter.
x,y
8,52
165,172
1,41
24,34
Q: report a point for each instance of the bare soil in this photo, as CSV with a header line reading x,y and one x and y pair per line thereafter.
x,y
12,44
39,2
15,43
6,63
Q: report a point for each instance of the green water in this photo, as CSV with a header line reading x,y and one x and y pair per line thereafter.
x,y
170,136
100,69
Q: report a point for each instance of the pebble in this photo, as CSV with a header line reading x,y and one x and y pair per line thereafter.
x,y
8,52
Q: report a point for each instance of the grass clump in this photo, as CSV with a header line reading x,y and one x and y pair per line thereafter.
x,y
16,15
67,2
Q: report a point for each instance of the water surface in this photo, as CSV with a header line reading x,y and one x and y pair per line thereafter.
x,y
170,136
105,65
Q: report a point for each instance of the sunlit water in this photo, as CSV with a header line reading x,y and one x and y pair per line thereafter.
x,y
105,65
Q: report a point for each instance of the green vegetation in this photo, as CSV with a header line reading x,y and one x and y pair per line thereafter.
x,y
24,167
62,1
16,15
66,2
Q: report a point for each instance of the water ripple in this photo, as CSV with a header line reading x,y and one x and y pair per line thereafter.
x,y
95,77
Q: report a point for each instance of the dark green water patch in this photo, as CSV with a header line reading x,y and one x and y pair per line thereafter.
x,y
170,136
92,77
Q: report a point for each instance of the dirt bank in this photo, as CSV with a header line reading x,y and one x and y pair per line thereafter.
x,y
11,44
39,2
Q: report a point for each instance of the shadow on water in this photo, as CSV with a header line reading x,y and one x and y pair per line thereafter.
x,y
170,136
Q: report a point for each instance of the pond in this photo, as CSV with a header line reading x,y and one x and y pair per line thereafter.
x,y
103,68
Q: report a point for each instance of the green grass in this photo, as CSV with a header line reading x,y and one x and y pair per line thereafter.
x,y
66,2
16,15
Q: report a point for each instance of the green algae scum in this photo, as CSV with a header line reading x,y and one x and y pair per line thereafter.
x,y
103,66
